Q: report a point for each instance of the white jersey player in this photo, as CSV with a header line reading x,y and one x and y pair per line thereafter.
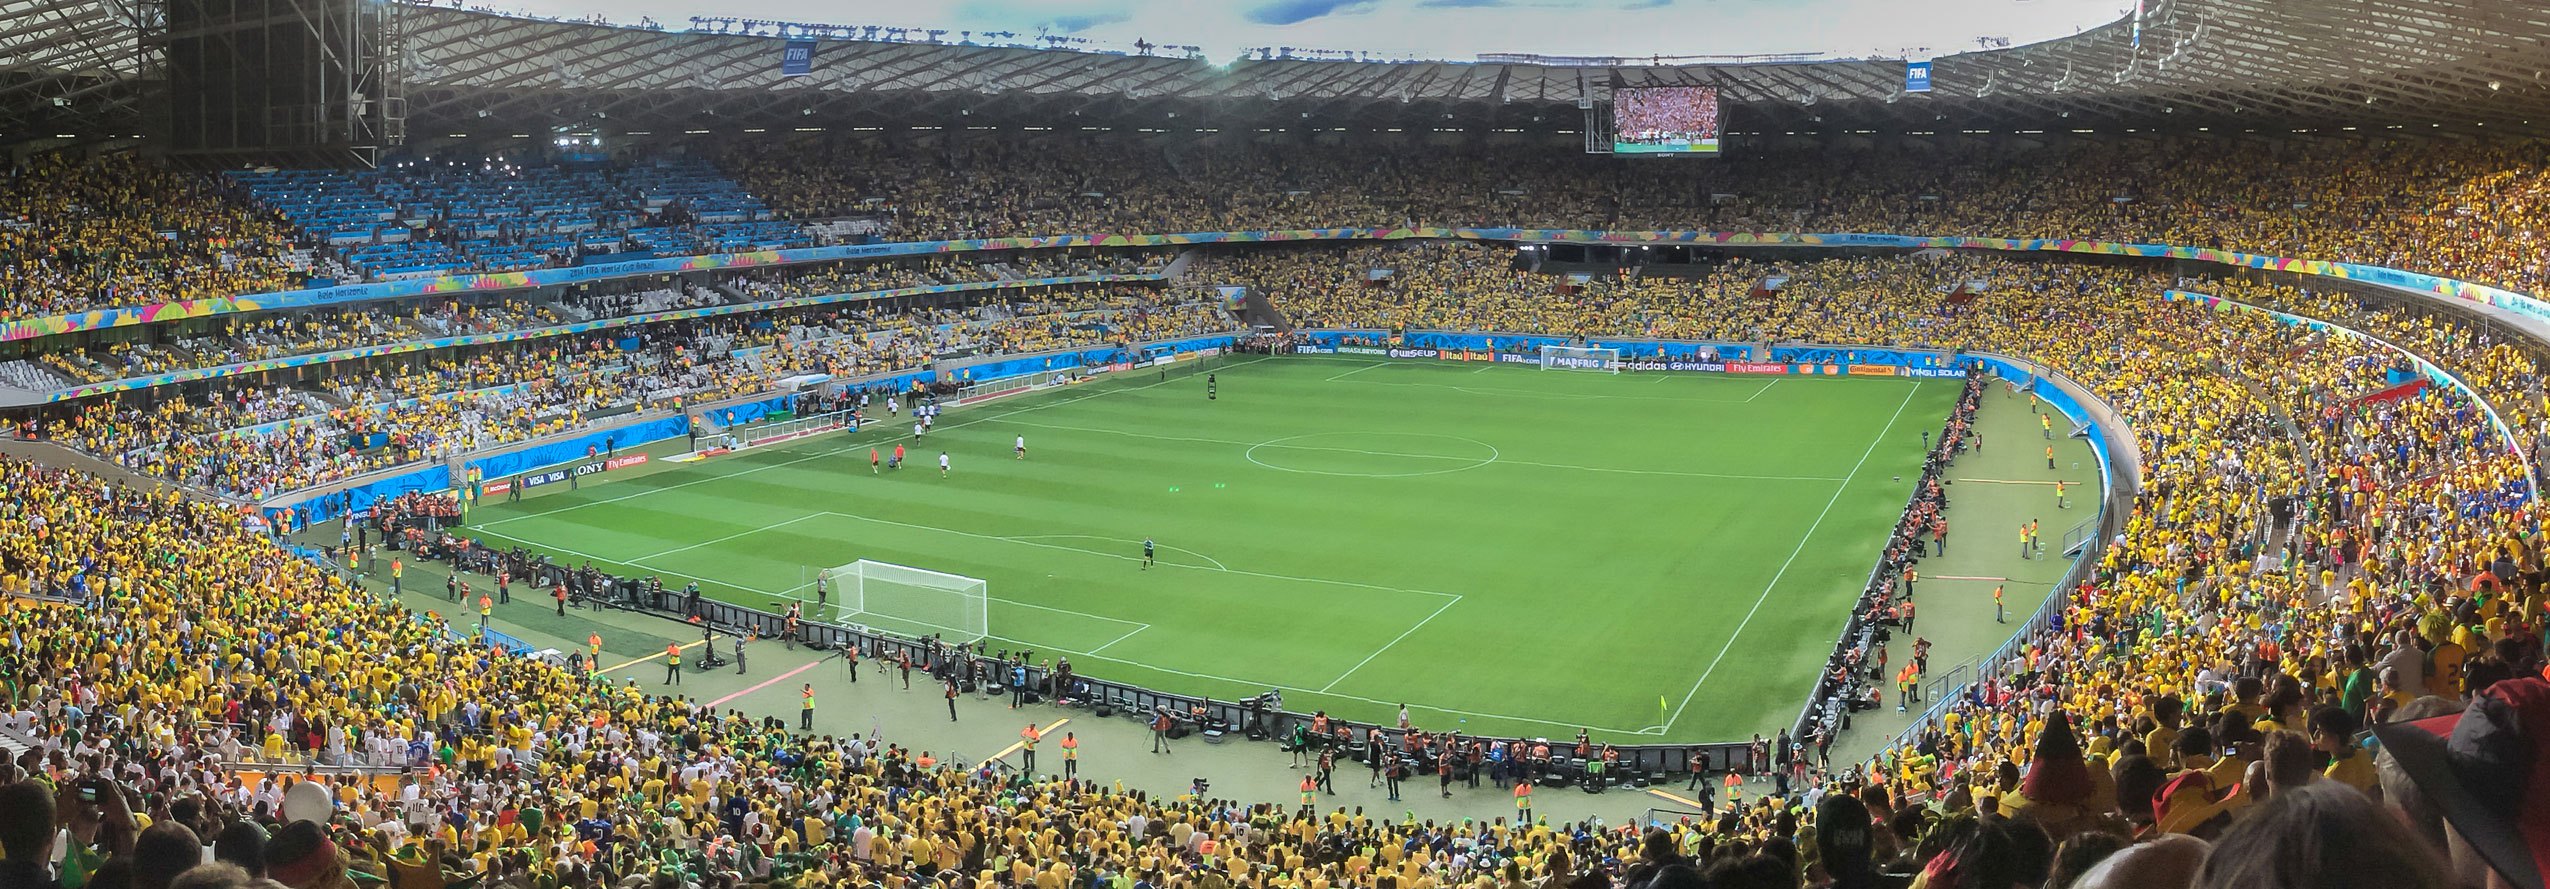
x,y
942,464
1022,447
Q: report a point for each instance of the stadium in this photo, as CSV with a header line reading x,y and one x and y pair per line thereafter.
x,y
2007,444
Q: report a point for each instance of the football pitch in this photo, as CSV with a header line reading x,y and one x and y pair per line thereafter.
x,y
1656,557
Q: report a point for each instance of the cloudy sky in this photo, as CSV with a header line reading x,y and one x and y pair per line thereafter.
x,y
1439,29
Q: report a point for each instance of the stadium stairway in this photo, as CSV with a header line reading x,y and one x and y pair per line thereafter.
x,y
51,454
14,745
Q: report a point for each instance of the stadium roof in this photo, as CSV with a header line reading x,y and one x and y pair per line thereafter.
x,y
2270,65
2216,63
71,67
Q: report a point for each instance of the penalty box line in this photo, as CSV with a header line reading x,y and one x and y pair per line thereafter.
x,y
792,594
1032,540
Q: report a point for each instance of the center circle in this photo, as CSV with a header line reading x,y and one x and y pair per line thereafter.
x,y
1372,454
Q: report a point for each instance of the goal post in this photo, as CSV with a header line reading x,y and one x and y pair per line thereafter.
x,y
1580,358
910,601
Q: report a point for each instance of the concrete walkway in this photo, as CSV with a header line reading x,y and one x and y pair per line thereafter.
x,y
1990,494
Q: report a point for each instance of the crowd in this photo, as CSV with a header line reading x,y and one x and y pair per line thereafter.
x,y
83,233
256,443
232,339
88,233
2302,562
1666,114
2315,551
1457,286
2470,210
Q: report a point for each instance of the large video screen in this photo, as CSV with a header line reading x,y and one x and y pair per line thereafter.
x,y
1665,120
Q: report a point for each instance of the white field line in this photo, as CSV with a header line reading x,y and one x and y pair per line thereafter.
x,y
1792,560
714,541
1217,563
1500,459
1122,557
790,594
1111,643
1341,677
1357,370
827,453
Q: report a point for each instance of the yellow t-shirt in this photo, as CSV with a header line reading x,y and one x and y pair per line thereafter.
x,y
2354,771
2444,668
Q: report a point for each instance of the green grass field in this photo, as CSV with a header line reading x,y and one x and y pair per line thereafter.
x,y
1507,550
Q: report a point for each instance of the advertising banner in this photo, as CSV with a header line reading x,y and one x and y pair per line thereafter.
x,y
1756,367
1410,353
797,58
623,462
1362,350
1873,370
1681,365
1307,349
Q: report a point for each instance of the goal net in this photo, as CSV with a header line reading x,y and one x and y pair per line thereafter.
x,y
908,601
1580,358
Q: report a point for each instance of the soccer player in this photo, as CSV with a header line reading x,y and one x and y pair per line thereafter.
x,y
918,428
893,408
942,464
1021,447
897,462
1211,384
873,460
1146,553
